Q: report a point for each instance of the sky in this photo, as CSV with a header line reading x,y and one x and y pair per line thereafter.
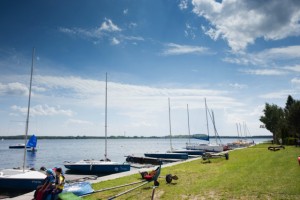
x,y
238,54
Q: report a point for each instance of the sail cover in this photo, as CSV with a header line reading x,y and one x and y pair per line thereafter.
x,y
32,141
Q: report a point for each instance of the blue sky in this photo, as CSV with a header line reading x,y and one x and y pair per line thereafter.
x,y
237,54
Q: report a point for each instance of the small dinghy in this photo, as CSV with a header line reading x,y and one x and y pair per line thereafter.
x,y
32,144
17,146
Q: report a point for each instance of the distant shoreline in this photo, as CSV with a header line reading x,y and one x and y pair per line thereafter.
x,y
123,137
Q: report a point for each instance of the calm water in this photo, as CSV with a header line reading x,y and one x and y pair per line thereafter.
x,y
52,153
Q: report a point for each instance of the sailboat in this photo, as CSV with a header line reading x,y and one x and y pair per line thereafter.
x,y
189,151
241,142
32,144
207,147
104,166
22,178
170,154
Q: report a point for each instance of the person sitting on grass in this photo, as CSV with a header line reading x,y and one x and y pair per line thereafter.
x,y
43,190
59,183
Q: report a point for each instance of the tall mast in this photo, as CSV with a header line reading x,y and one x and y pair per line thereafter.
x,y
206,120
105,154
188,118
245,135
213,119
238,132
170,125
28,111
241,130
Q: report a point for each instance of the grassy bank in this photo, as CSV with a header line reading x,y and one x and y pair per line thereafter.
x,y
252,173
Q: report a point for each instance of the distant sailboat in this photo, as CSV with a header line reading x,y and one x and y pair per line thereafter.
x,y
32,144
17,146
22,179
104,166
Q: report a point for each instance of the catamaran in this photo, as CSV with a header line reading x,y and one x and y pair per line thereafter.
x,y
104,166
22,178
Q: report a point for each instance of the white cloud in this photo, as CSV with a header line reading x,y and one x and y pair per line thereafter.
x,y
38,89
241,22
132,25
125,11
265,72
270,58
278,95
15,88
238,86
137,38
177,49
132,108
295,68
94,33
78,122
109,26
115,41
43,110
296,82
183,4
189,31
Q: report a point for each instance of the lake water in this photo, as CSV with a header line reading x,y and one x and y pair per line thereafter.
x,y
52,153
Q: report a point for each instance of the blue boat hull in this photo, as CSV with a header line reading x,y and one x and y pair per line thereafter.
x,y
183,156
20,184
98,169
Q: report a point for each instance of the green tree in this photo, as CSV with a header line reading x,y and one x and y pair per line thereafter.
x,y
289,103
294,118
273,119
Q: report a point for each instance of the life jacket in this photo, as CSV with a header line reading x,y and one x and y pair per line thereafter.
x,y
59,182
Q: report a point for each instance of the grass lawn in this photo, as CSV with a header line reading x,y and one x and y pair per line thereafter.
x,y
252,173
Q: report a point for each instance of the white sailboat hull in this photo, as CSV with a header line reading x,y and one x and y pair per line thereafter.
x,y
17,179
205,147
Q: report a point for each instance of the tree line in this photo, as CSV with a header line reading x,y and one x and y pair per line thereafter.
x,y
283,123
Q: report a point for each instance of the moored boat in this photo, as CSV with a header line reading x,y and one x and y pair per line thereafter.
x,y
22,178
182,156
217,147
189,152
95,166
18,179
17,146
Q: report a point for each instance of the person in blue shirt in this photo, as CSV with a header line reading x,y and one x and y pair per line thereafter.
x,y
46,187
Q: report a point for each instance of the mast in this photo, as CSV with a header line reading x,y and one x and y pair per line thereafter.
x,y
105,154
241,130
188,118
215,129
237,129
28,111
206,120
170,125
245,133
